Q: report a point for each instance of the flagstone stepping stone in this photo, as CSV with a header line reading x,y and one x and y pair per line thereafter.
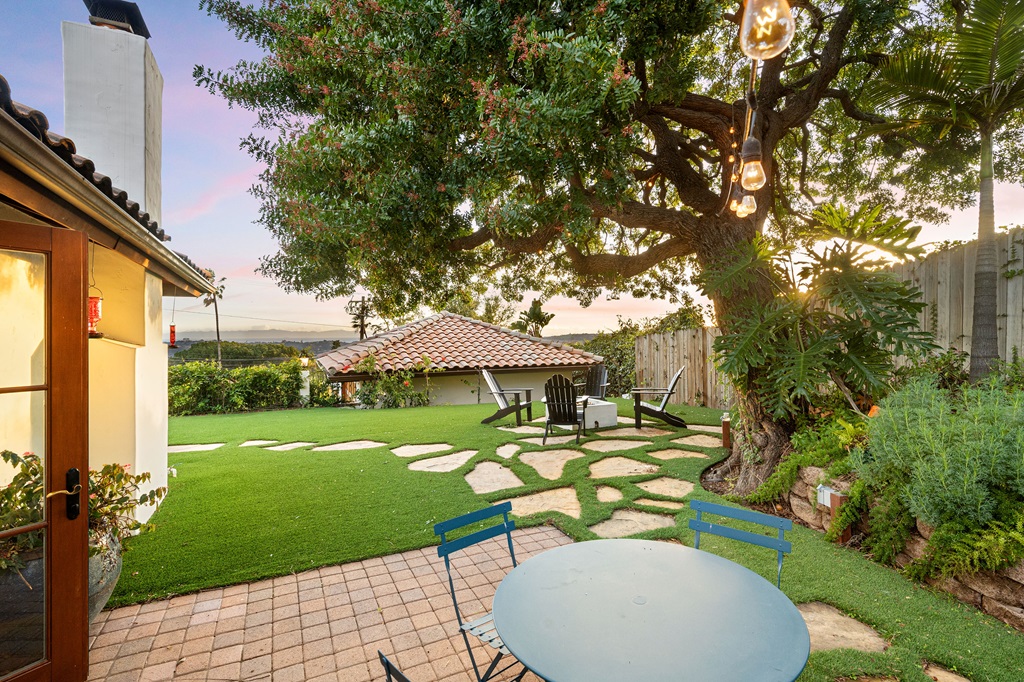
x,y
645,431
630,522
559,500
699,440
350,445
831,629
256,443
664,504
507,450
669,487
705,428
615,445
549,463
521,429
420,449
673,453
610,467
940,674
203,447
606,493
445,463
487,477
291,446
552,440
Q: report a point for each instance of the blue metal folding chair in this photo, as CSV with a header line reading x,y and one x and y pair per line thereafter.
x,y
391,670
481,627
779,544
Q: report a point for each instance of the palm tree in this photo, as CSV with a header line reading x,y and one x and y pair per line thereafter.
x,y
218,292
532,321
975,84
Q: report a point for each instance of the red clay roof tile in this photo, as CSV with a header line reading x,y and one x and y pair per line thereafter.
x,y
457,343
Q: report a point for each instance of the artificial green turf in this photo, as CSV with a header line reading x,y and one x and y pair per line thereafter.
x,y
243,514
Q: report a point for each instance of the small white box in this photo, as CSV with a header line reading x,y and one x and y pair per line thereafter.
x,y
825,495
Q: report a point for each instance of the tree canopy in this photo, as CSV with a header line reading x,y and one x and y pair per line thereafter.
x,y
570,146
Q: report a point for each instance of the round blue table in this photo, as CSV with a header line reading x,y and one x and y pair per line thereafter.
x,y
629,610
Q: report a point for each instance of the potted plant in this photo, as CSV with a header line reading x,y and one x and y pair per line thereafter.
x,y
113,499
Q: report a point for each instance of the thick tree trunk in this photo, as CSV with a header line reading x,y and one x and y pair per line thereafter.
x,y
760,440
984,333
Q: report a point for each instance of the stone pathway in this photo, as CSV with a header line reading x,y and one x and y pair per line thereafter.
x,y
625,522
667,487
415,450
673,453
562,500
830,629
446,463
549,463
613,467
256,443
615,445
700,440
194,448
489,477
645,431
290,446
350,445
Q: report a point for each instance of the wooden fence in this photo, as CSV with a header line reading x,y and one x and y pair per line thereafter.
x,y
946,280
659,356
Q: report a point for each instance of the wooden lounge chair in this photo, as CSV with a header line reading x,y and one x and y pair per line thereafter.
x,y
562,407
596,384
658,412
506,406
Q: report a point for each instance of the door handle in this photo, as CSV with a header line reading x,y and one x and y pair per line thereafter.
x,y
73,493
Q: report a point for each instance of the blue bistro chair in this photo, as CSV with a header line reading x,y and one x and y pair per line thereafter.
x,y
482,627
779,544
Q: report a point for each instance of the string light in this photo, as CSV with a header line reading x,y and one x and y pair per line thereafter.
x,y
766,29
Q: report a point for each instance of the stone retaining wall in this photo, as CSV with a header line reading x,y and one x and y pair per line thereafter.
x,y
999,593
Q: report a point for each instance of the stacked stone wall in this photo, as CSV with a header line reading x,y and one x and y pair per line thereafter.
x,y
997,593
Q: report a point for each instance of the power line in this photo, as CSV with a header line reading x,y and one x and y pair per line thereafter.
x,y
262,319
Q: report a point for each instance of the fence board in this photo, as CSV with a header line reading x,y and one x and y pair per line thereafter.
x,y
946,280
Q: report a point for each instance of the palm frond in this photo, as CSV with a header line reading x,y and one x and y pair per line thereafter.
x,y
989,48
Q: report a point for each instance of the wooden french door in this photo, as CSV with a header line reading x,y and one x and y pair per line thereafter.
x,y
43,411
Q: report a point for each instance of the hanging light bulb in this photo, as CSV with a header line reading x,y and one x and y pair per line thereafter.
x,y
752,177
748,205
734,205
766,29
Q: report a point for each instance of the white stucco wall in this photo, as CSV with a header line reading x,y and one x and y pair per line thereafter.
x,y
113,94
151,394
128,380
470,389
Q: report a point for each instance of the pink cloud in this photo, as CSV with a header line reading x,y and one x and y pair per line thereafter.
x,y
229,186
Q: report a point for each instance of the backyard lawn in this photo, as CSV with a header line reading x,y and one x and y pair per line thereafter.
x,y
239,514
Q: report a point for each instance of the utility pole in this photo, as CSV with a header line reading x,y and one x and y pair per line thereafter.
x,y
359,310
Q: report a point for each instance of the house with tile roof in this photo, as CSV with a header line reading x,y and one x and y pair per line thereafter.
x,y
76,396
458,349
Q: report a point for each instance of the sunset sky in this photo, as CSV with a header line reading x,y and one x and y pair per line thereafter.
x,y
206,206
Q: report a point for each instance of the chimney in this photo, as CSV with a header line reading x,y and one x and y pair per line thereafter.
x,y
113,98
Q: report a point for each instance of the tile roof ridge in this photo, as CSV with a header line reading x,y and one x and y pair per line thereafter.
x,y
513,332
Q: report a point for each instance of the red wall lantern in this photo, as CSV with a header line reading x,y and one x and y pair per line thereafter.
x,y
95,315
174,338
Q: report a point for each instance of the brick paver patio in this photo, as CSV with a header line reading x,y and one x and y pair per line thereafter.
x,y
321,625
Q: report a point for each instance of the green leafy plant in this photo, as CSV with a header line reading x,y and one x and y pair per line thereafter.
x,y
826,444
203,387
957,549
394,388
835,321
113,497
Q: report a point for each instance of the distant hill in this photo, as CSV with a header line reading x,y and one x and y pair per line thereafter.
x,y
316,347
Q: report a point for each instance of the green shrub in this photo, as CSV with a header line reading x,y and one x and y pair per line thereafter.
x,y
826,444
953,455
957,549
202,387
389,389
321,391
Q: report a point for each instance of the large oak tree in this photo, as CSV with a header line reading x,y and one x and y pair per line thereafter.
x,y
565,146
